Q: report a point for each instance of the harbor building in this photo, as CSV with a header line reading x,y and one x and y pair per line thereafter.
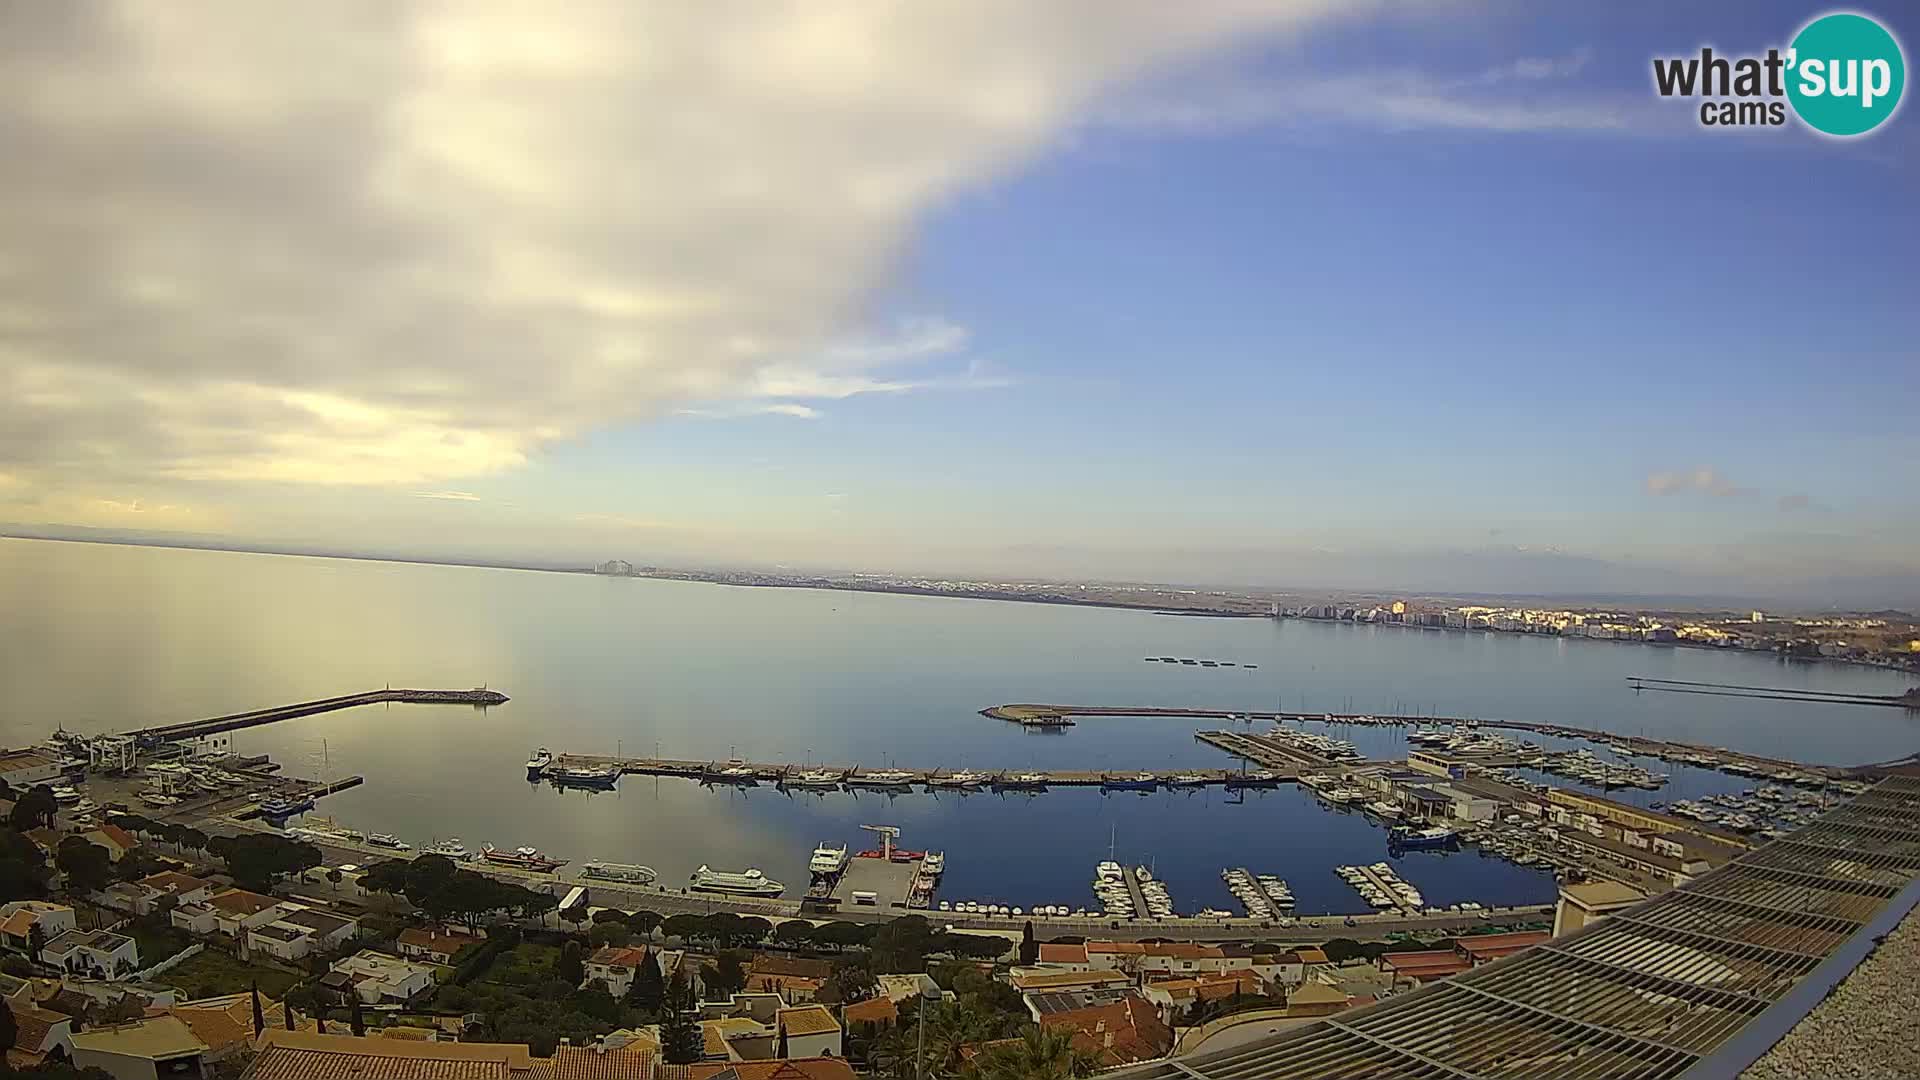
x,y
1590,901
22,769
1563,804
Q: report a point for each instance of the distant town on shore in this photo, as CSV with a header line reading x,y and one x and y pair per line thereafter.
x,y
1880,638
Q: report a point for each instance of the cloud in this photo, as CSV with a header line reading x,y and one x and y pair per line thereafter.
x,y
1703,481
1507,98
404,243
451,496
1797,503
778,408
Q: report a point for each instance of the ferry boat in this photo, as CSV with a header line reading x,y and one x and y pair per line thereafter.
x,y
628,873
537,763
749,882
1144,781
827,859
522,858
452,848
1026,781
388,840
965,778
583,776
815,778
1436,836
886,778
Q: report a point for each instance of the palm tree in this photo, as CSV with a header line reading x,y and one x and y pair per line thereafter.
x,y
1042,1054
951,1025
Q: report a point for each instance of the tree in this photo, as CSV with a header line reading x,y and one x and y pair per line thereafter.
x,y
1029,948
355,1019
726,976
681,1041
9,1027
286,1014
35,809
334,878
607,915
570,968
793,932
851,980
686,927
259,1014
87,865
644,923
1041,1054
615,934
576,914
36,940
648,986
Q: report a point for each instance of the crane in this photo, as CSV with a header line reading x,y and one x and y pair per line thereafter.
x,y
887,835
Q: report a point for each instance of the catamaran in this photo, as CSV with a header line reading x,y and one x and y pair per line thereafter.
x,y
750,882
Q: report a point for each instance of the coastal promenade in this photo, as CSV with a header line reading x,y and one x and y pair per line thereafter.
x,y
828,776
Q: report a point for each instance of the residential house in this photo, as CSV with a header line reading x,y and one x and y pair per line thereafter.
x,y
796,979
302,931
19,919
184,888
300,1055
22,769
898,988
1173,997
597,1063
1126,1032
1185,958
195,918
1071,957
1115,955
145,1049
375,977
100,953
1486,948
225,1023
115,839
237,911
740,1038
38,1033
810,1031
815,1068
867,1019
1424,966
1047,980
435,944
1315,999
616,967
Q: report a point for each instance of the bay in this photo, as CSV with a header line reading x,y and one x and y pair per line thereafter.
x,y
105,637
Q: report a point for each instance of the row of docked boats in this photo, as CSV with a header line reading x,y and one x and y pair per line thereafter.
x,y
1325,747
542,765
1379,886
1265,896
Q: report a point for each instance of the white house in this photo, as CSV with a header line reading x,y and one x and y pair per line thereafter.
x,y
376,977
810,1031
19,918
184,888
300,932
237,911
195,918
157,1046
434,944
38,1033
100,952
615,967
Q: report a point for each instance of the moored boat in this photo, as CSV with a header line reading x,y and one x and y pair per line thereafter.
x,y
749,882
522,858
591,776
827,859
537,762
1142,781
1435,836
886,778
628,873
814,778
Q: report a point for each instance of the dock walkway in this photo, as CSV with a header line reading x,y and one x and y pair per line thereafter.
x,y
1381,884
212,725
851,776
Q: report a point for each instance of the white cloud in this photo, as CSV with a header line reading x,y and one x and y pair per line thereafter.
x,y
403,243
1507,98
1701,481
450,496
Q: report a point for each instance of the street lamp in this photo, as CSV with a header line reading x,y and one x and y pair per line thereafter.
x,y
929,995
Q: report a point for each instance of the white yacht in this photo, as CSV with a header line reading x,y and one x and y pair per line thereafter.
x,y
750,882
452,848
629,873
815,778
828,859
538,761
934,863
882,778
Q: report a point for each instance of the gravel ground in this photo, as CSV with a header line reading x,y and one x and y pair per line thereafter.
x,y
1865,1028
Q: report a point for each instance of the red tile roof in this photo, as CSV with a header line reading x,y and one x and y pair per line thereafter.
x,y
814,1068
876,1010
1125,1032
589,1063
1486,947
1063,954
610,956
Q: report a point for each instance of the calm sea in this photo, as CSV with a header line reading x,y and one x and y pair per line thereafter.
x,y
99,637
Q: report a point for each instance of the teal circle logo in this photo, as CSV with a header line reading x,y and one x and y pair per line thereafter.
x,y
1845,74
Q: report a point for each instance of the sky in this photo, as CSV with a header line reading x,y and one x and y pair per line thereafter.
x,y
1263,292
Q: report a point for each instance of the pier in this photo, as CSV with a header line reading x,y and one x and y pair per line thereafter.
x,y
189,729
1659,748
823,777
1373,877
1268,753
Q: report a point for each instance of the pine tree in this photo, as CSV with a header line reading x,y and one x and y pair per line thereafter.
x,y
259,1016
355,1019
648,986
1029,948
681,1041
